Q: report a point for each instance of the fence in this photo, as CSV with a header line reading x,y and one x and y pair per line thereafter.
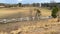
x,y
23,19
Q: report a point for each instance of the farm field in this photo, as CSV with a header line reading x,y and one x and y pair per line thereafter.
x,y
25,11
50,26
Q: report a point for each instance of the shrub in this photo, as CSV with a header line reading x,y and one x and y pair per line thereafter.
x,y
54,12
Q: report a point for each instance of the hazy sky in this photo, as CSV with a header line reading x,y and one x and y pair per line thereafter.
x,y
26,1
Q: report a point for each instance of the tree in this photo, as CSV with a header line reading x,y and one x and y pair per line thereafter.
x,y
36,4
52,4
54,12
19,4
33,4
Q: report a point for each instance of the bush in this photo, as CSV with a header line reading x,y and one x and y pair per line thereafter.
x,y
54,12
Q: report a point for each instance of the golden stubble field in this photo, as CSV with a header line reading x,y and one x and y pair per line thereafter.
x,y
50,26
25,11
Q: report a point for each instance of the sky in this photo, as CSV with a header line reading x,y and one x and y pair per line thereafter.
x,y
26,1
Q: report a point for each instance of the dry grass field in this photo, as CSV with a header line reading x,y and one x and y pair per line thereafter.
x,y
50,26
25,11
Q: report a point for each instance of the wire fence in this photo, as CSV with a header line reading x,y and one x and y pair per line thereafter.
x,y
21,19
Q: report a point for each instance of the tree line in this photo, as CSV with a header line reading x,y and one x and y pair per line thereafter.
x,y
20,5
